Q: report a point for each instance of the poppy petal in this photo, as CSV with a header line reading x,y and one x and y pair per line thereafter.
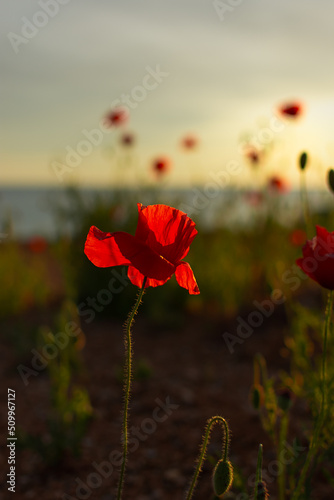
x,y
166,230
102,249
137,278
115,249
185,278
302,263
324,241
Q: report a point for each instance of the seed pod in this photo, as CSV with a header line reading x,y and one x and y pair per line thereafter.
x,y
303,160
222,478
262,492
331,179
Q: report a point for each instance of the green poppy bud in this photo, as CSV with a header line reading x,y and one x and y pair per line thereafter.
x,y
262,492
222,477
303,160
331,179
257,397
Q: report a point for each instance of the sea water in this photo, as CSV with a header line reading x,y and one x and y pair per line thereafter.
x,y
32,211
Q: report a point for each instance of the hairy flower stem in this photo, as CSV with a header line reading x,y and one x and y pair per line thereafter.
x,y
127,384
211,422
281,443
258,470
305,205
314,444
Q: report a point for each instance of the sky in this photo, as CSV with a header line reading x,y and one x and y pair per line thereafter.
x,y
218,70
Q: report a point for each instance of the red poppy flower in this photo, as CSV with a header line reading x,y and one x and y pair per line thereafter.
x,y
189,142
277,184
297,237
37,244
291,109
116,117
127,139
163,237
254,198
252,154
161,165
318,258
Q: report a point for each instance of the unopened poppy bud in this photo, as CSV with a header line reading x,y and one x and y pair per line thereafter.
x,y
331,179
257,397
262,492
303,160
222,477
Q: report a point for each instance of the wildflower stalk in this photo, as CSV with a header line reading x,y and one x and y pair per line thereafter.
x,y
127,384
303,159
282,470
258,470
314,444
305,205
211,422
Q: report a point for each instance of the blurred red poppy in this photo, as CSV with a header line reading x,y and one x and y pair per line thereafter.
x,y
277,184
127,139
254,198
291,109
161,165
189,142
252,154
318,258
163,237
297,237
37,244
116,117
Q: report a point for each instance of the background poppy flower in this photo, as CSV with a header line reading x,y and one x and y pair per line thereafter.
x,y
297,237
254,198
277,184
292,109
127,139
318,258
37,244
189,142
116,117
252,155
163,237
161,165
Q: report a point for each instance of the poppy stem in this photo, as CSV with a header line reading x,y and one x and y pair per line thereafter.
x,y
258,470
127,384
281,443
314,444
211,422
305,205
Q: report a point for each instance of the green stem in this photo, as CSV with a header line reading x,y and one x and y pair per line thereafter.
x,y
305,205
258,470
211,422
314,444
127,384
324,353
282,439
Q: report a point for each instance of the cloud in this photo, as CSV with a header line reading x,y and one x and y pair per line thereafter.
x,y
221,73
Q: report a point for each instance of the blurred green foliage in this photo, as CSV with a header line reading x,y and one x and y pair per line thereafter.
x,y
24,280
233,265
70,409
